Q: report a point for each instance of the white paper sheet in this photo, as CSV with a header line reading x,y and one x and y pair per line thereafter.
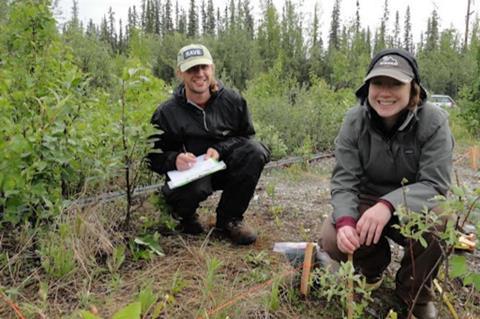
x,y
201,168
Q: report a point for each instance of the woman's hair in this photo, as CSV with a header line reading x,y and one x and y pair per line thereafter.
x,y
415,99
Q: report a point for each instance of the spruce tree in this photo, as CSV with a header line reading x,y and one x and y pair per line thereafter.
x,y
226,21
474,36
143,13
381,34
149,17
315,61
177,16
203,11
210,19
75,21
315,36
292,42
167,18
407,32
192,20
157,16
240,16
357,17
136,22
219,24
334,35
248,18
182,22
112,34
104,33
120,40
432,36
396,31
91,30
269,37
232,14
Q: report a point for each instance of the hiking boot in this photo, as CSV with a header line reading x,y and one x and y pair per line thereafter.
x,y
426,310
373,283
238,232
190,226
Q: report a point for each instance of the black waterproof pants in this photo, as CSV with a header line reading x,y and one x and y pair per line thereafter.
x,y
244,166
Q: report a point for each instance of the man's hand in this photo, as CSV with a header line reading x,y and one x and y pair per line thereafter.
x,y
372,222
212,153
347,239
184,161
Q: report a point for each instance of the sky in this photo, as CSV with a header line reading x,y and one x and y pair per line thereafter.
x,y
451,12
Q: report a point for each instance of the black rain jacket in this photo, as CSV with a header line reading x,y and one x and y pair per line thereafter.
x,y
222,124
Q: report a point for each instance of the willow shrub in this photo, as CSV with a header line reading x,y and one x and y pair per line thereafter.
x,y
287,116
59,137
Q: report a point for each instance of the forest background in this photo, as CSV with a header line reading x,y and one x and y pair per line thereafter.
x,y
76,99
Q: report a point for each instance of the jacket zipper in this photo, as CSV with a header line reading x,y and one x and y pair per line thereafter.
x,y
205,121
203,114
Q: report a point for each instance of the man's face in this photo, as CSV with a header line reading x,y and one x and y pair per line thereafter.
x,y
197,79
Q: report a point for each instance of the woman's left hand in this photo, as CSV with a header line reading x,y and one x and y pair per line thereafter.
x,y
372,222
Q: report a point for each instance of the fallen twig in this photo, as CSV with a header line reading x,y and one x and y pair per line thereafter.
x,y
12,305
445,299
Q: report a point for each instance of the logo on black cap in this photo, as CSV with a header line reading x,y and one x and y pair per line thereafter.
x,y
388,60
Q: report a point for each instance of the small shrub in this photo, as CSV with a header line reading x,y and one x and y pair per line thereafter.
x,y
334,287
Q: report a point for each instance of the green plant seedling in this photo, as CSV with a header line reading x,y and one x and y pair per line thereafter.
x,y
146,246
333,287
57,260
272,301
116,260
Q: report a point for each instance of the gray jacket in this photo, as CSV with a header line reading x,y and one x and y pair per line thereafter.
x,y
368,162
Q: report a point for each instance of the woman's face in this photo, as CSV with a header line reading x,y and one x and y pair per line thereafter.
x,y
388,97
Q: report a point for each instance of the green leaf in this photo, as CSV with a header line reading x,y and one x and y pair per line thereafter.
x,y
151,242
423,242
458,191
458,266
131,311
147,298
88,315
474,279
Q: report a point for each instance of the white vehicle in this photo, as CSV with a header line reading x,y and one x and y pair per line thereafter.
x,y
444,101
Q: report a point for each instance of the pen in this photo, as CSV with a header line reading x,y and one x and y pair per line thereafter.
x,y
185,151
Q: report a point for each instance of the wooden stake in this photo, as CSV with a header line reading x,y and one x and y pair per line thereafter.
x,y
350,292
474,157
307,269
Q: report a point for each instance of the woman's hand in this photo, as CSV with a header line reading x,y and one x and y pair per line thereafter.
x,y
347,239
372,222
184,161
